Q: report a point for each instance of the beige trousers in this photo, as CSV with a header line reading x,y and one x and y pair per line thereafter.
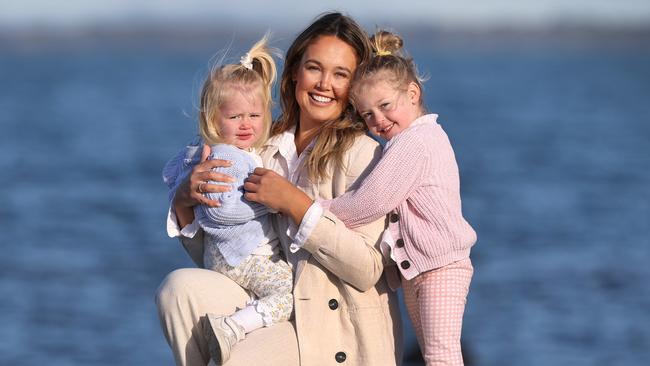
x,y
186,295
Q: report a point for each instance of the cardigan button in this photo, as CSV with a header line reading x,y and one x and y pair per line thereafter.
x,y
333,304
399,243
340,357
405,265
394,217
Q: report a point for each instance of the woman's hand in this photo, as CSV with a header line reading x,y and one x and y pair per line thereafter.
x,y
190,192
274,191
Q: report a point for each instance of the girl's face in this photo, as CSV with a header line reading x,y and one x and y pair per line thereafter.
x,y
323,78
241,118
387,110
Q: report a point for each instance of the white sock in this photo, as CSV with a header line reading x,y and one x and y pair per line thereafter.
x,y
248,318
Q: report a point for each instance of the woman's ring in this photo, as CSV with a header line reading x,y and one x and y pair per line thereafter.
x,y
201,187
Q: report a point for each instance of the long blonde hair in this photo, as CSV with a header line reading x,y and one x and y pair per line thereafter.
x,y
336,136
256,70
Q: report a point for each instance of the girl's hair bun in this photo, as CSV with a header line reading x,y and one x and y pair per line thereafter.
x,y
386,43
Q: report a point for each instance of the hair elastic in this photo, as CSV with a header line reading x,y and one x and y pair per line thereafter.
x,y
246,61
383,53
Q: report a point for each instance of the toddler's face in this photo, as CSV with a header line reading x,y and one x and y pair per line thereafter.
x,y
241,119
387,110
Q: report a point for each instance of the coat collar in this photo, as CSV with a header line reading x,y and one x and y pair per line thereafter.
x,y
283,143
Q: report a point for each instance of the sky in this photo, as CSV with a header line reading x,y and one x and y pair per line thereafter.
x,y
461,13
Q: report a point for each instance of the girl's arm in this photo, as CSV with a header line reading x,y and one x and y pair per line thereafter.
x,y
390,183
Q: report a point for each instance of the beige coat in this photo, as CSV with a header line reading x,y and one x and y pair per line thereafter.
x,y
344,311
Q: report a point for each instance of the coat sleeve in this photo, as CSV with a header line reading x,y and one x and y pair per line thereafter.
x,y
352,255
194,248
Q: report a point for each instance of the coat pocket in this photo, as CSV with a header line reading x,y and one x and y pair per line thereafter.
x,y
373,330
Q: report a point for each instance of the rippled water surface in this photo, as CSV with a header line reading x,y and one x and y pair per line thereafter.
x,y
552,143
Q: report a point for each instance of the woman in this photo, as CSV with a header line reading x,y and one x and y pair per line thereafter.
x,y
344,311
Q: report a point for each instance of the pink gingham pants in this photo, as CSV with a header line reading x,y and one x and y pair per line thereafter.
x,y
435,301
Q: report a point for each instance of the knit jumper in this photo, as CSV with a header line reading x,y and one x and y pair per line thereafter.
x,y
237,226
418,177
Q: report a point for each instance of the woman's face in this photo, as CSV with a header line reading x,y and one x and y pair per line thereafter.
x,y
323,78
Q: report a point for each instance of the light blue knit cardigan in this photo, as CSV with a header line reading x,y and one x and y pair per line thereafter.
x,y
238,226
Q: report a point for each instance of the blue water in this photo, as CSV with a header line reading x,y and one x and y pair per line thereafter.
x,y
552,142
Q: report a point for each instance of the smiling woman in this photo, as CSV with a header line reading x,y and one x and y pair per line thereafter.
x,y
318,148
322,84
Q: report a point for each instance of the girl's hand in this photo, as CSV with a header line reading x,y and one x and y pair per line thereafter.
x,y
274,191
190,192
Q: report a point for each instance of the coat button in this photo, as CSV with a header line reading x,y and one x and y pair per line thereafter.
x,y
399,243
340,357
394,217
333,304
405,265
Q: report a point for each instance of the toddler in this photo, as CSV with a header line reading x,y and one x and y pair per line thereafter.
x,y
235,119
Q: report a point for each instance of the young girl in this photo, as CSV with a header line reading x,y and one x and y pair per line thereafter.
x,y
235,118
417,182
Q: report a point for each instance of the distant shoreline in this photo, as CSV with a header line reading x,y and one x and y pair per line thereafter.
x,y
186,36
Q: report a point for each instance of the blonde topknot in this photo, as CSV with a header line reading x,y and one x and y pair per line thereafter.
x,y
262,61
385,43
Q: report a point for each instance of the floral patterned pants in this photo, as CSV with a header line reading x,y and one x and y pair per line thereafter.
x,y
268,277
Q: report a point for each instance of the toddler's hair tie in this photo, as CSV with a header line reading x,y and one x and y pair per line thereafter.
x,y
246,61
384,53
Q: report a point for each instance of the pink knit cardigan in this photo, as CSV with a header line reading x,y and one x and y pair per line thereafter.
x,y
417,177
